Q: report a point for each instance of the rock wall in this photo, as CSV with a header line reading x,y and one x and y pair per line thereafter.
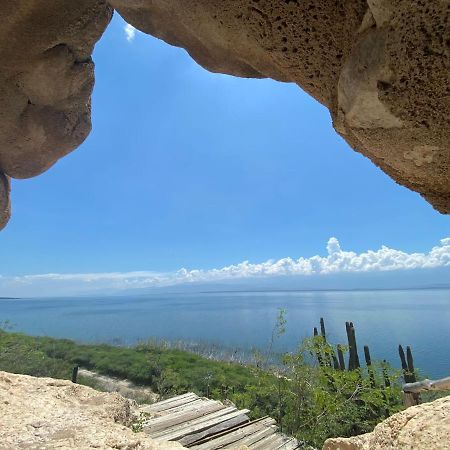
x,y
426,426
380,66
39,413
46,80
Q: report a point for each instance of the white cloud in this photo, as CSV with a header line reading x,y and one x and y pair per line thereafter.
x,y
130,32
336,261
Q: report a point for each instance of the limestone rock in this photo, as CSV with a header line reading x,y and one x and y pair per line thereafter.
x,y
46,413
380,66
46,79
426,426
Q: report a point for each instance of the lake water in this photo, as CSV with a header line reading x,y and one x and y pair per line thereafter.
x,y
382,319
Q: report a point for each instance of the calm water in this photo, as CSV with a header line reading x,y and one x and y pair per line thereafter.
x,y
383,319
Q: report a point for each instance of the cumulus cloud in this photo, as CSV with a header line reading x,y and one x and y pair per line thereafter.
x,y
130,32
335,261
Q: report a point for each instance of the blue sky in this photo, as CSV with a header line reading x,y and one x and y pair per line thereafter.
x,y
185,168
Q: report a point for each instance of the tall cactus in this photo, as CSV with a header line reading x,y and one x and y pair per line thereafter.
x,y
340,357
350,348
369,365
322,329
387,381
401,353
355,351
410,363
353,360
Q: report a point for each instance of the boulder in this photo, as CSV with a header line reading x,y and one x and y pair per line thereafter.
x,y
425,426
39,413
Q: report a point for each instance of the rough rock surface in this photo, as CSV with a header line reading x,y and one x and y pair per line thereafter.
x,y
426,426
38,413
380,66
46,79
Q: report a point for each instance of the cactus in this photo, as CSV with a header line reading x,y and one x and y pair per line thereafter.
x,y
387,382
335,360
410,363
355,348
407,364
340,357
353,360
350,348
74,374
369,365
322,329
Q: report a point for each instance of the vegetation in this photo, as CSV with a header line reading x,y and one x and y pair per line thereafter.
x,y
309,397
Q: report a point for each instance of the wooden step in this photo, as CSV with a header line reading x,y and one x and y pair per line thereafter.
x,y
198,425
163,422
213,430
166,404
237,435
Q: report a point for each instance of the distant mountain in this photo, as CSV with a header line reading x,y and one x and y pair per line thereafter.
x,y
436,278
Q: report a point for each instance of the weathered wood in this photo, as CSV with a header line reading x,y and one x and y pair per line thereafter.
x,y
166,404
291,444
237,435
223,433
173,399
180,430
198,425
204,424
252,438
229,424
183,407
174,419
287,441
427,385
268,443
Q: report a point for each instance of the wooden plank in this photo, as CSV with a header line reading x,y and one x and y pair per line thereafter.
x,y
230,438
265,431
199,424
180,410
229,431
168,400
183,407
176,429
183,413
268,443
177,397
159,408
290,444
190,439
170,420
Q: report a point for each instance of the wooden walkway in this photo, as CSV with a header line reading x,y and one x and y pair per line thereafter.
x,y
203,424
